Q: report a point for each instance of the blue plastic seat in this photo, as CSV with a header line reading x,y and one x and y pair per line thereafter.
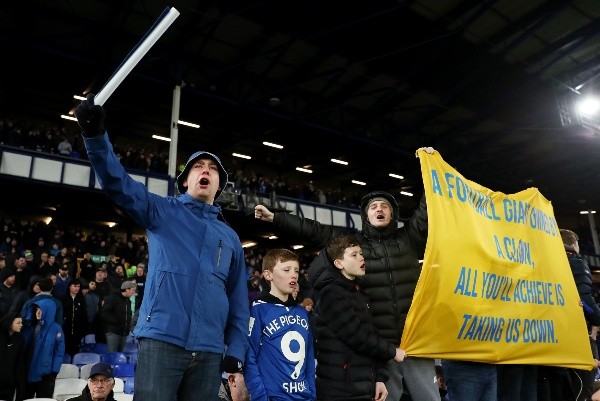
x,y
84,358
129,385
114,358
89,339
87,347
100,348
132,357
124,370
67,358
130,347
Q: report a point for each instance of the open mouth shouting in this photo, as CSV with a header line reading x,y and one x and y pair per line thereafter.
x,y
204,181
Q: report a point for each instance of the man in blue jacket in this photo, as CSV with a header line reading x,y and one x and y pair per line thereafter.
x,y
195,306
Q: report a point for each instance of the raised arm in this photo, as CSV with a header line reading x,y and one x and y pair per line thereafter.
x,y
263,214
306,230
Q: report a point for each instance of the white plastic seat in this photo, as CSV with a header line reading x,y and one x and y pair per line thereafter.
x,y
68,371
41,399
119,386
68,388
84,372
123,397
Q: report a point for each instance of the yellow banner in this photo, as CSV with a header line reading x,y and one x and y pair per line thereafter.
x,y
496,285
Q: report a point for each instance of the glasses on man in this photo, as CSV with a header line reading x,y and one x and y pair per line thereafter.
x,y
97,380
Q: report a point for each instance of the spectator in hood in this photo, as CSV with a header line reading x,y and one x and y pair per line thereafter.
x,y
45,350
45,286
32,290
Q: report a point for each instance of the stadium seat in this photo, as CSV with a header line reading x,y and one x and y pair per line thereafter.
x,y
123,397
130,347
124,370
67,388
129,385
67,358
40,399
132,357
89,339
119,385
114,358
84,358
100,348
88,343
84,371
68,371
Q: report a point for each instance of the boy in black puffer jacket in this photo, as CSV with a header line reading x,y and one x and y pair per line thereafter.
x,y
351,356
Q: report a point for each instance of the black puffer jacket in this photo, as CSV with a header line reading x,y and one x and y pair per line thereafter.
x,y
87,396
116,313
583,281
12,360
351,356
391,255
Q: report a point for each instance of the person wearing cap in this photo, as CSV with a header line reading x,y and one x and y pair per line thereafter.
x,y
116,315
195,313
100,384
392,256
63,280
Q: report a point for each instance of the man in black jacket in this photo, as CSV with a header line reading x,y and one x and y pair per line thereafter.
x,y
116,314
392,256
583,281
99,385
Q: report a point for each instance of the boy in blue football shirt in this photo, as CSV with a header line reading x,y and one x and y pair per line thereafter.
x,y
280,363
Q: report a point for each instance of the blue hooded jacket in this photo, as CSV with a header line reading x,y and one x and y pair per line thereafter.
x,y
49,342
196,294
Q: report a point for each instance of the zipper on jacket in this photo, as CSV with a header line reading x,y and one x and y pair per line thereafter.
x,y
220,249
148,317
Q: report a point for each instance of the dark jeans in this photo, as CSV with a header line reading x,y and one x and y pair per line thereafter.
x,y
517,382
42,389
166,372
470,381
115,342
